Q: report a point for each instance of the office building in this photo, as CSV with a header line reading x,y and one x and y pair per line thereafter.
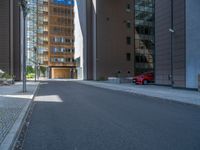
x,y
119,37
10,46
107,39
136,36
49,28
61,39
31,32
54,38
177,39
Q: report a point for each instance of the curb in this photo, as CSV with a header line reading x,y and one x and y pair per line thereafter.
x,y
130,91
10,139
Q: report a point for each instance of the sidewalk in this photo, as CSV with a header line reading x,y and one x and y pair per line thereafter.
x,y
13,107
166,93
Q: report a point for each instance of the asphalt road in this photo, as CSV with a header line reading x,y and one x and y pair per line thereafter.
x,y
72,116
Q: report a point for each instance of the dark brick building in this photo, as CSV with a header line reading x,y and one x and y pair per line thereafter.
x,y
10,57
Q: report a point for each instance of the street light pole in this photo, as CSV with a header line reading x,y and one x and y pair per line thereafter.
x,y
172,45
36,63
172,31
24,57
23,4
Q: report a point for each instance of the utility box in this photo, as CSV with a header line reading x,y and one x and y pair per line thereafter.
x,y
199,82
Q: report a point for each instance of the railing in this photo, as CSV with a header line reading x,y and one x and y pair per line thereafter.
x,y
67,64
64,54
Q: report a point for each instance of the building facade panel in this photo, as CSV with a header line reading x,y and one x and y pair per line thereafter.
x,y
115,41
179,47
10,60
5,35
16,41
91,14
192,43
170,47
162,42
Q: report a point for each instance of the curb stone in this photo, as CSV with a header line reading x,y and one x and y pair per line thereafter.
x,y
131,91
10,139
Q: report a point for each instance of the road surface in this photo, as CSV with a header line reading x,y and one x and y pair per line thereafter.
x,y
72,116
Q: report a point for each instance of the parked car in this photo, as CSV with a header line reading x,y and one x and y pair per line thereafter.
x,y
144,78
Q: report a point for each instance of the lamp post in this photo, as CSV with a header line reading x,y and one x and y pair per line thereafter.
x,y
36,63
172,31
23,4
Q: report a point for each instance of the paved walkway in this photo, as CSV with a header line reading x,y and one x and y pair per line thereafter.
x,y
13,107
166,93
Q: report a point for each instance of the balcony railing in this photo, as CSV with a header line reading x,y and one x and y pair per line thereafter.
x,y
67,64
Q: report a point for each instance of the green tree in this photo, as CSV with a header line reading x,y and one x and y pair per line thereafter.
x,y
29,70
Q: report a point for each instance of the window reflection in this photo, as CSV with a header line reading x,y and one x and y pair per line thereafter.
x,y
144,36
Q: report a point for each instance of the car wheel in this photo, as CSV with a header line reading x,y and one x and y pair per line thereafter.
x,y
145,82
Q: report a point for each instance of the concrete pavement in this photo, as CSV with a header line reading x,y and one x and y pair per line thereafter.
x,y
13,107
73,116
163,92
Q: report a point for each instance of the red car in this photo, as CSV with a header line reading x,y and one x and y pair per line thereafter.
x,y
144,78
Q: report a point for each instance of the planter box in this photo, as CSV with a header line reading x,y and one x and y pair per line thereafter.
x,y
113,80
119,80
6,81
127,80
1,81
10,81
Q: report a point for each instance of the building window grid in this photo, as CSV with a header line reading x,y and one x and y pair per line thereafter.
x,y
144,35
61,27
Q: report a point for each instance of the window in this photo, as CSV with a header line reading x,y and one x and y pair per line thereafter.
x,y
128,8
128,24
128,40
128,56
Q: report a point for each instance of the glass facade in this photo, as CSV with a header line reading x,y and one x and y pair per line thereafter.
x,y
31,34
42,32
144,36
